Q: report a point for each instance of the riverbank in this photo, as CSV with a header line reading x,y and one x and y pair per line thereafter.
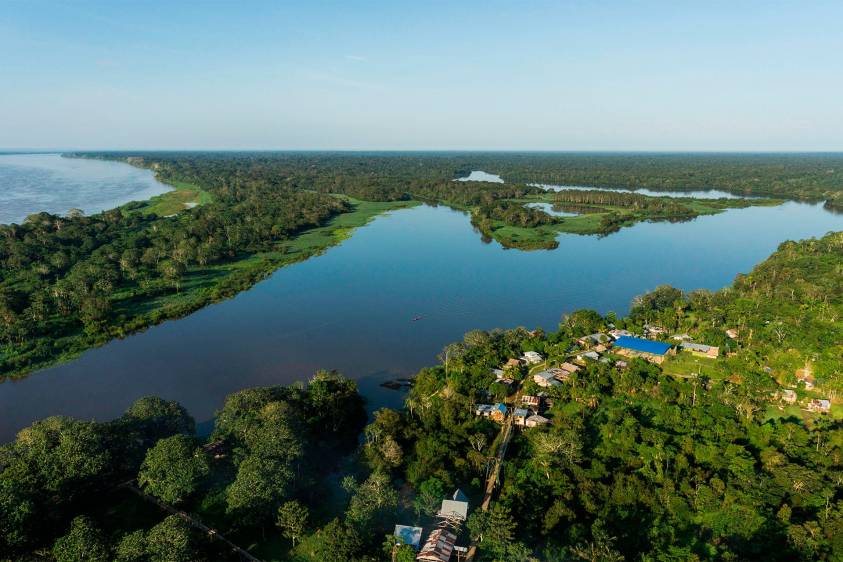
x,y
199,287
605,219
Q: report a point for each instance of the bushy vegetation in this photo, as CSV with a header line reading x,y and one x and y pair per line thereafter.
x,y
270,453
635,464
70,283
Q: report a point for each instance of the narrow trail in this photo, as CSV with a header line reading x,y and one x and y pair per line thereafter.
x,y
492,482
212,534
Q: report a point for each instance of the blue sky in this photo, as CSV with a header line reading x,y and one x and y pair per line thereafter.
x,y
708,75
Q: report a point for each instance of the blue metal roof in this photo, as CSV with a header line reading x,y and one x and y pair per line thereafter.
x,y
644,346
501,407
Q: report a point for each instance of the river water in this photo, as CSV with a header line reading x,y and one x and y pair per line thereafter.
x,y
30,183
353,308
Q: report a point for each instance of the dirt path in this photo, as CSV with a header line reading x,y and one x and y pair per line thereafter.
x,y
213,534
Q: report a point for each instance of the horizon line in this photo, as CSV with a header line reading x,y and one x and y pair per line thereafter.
x,y
28,150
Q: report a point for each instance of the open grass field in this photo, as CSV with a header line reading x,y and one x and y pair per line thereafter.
x,y
183,196
685,364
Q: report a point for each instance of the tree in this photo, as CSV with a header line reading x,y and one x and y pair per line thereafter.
x,y
271,435
371,500
172,271
397,550
292,520
601,549
258,489
63,454
131,548
84,542
170,541
153,418
173,469
337,407
429,497
17,508
337,542
493,529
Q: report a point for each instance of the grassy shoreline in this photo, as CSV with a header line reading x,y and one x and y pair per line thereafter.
x,y
207,285
592,223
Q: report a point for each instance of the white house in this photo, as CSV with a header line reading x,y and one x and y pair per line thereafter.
x,y
532,358
546,379
536,420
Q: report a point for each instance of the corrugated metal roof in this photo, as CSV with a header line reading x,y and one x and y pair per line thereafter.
x,y
644,346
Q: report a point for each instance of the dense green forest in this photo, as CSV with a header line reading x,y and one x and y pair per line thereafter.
x,y
639,461
811,176
74,282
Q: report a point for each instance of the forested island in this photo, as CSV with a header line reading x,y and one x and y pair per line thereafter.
x,y
69,283
701,426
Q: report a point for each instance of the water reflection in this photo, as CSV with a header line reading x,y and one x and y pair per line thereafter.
x,y
352,308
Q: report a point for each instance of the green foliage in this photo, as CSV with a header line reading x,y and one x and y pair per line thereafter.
x,y
337,542
173,469
131,548
429,497
268,444
292,520
83,543
170,541
153,418
372,504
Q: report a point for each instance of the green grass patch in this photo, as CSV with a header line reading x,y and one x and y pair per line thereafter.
x,y
685,364
183,196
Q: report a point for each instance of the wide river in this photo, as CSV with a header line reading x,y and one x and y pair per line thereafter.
x,y
353,308
30,183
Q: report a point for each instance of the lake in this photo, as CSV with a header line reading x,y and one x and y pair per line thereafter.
x,y
352,308
30,183
480,175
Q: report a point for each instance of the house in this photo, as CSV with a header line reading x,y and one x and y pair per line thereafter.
x,y
536,420
531,402
732,333
408,535
520,415
512,364
438,547
619,333
484,410
653,330
506,381
819,405
559,374
653,351
593,339
681,337
569,368
499,374
498,412
588,356
701,350
459,496
532,358
802,375
789,396
621,364
546,379
454,508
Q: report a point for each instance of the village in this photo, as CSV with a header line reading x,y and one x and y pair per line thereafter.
x,y
529,381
